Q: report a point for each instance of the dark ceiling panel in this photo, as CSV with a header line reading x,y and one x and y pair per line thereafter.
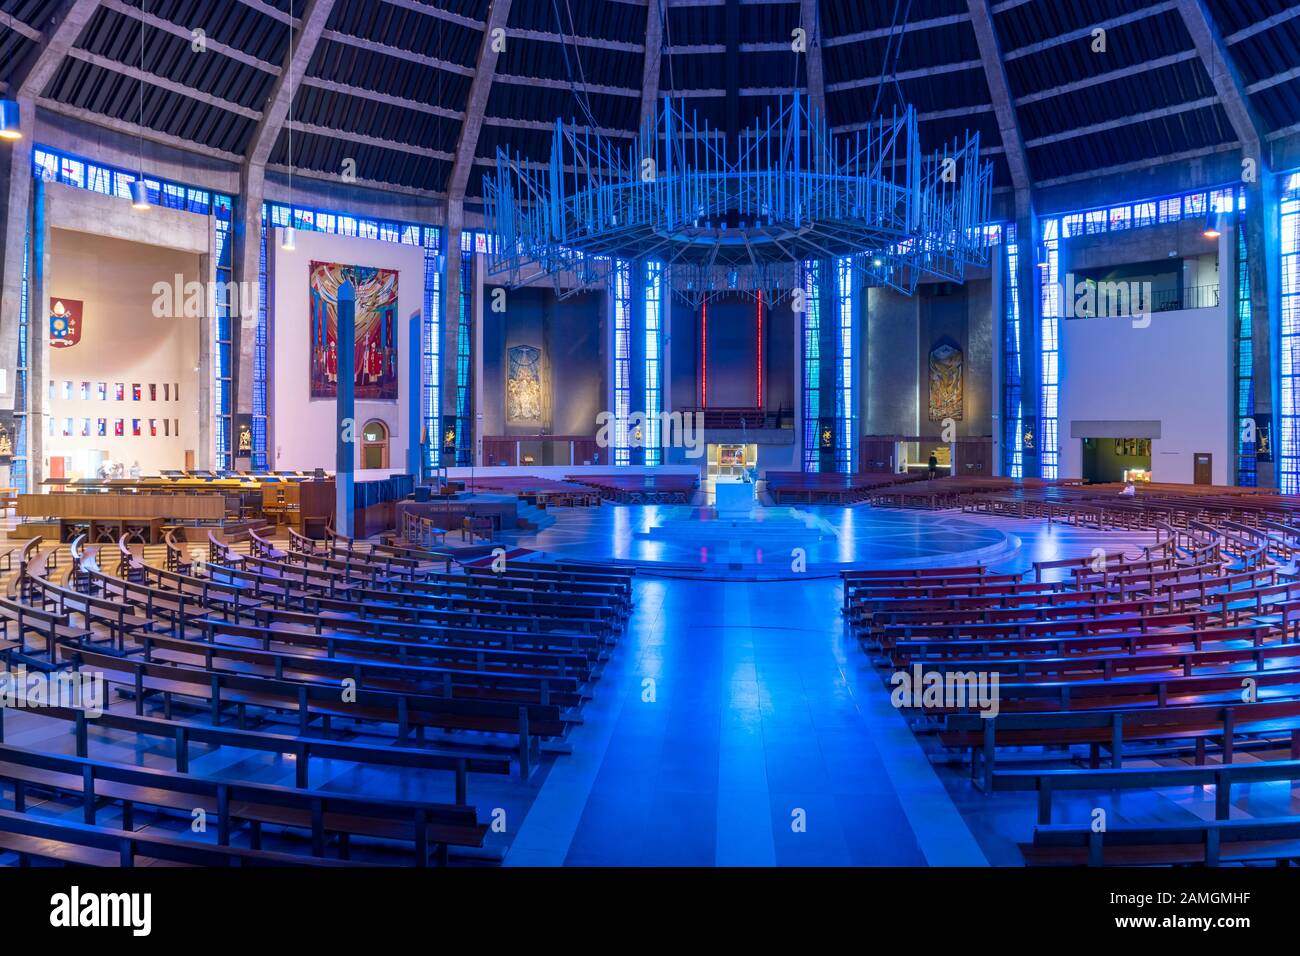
x,y
1152,139
407,30
371,70
843,19
1138,92
564,61
1127,47
621,22
570,69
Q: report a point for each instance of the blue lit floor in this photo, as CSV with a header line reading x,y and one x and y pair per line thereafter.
x,y
763,544
760,714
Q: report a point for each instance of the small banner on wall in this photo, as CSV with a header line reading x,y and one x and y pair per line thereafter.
x,y
65,322
448,440
244,436
7,432
826,434
1263,436
1029,436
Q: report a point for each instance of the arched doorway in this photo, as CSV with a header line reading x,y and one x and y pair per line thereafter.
x,y
374,445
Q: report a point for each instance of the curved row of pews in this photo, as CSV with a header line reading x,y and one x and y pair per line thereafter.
x,y
1176,667
326,656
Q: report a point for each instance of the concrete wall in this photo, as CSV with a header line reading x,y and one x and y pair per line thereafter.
x,y
893,379
733,355
1176,374
569,334
303,429
123,341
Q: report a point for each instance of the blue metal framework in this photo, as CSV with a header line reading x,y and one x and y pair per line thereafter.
x,y
743,223
1013,414
622,361
654,298
1288,457
845,419
812,365
1247,445
72,170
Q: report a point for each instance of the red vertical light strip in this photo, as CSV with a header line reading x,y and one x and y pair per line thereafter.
x,y
704,354
758,377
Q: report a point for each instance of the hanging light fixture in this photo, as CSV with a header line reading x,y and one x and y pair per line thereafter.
x,y
140,189
10,120
288,235
1212,230
140,195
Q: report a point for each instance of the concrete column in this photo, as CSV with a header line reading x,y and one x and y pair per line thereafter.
x,y
636,354
1029,284
345,410
998,314
415,396
38,294
246,262
828,341
15,218
451,308
203,388
476,361
1264,263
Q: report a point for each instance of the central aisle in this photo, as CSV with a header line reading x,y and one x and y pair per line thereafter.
x,y
730,712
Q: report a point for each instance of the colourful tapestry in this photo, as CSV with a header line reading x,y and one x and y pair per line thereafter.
x,y
375,360
524,386
65,323
946,386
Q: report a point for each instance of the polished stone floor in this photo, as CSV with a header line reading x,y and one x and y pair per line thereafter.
x,y
768,541
738,725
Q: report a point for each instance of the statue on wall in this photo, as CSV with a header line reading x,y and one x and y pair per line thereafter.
x,y
946,384
524,386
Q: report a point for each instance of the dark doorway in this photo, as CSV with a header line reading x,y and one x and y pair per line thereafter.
x,y
1116,459
1202,468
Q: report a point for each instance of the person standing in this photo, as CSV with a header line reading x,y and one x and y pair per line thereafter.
x,y
934,465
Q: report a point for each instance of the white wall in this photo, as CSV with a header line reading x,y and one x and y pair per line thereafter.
x,y
303,434
122,341
1177,371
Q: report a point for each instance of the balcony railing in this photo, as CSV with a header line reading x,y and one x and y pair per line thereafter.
x,y
1191,297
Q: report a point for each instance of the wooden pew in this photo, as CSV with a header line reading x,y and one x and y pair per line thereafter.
x,y
303,749
216,690
236,804
80,844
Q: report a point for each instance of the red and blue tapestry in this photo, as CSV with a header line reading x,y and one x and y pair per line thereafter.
x,y
375,366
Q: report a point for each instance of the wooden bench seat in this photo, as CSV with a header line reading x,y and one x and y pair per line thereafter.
x,y
81,844
396,650
446,682
1208,843
322,814
217,690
